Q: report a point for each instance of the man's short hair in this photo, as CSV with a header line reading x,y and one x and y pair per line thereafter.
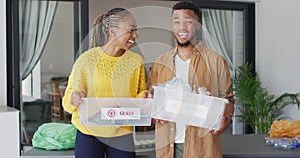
x,y
188,5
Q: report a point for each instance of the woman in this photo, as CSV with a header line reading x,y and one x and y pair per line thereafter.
x,y
107,70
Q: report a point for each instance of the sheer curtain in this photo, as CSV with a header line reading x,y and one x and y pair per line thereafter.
x,y
36,18
218,32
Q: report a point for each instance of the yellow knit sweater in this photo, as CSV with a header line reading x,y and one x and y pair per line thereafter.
x,y
97,74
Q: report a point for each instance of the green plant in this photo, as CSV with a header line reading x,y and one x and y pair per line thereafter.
x,y
260,108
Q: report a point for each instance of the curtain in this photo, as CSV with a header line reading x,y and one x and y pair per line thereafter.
x,y
217,32
36,18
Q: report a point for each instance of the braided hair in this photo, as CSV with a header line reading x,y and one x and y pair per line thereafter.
x,y
104,22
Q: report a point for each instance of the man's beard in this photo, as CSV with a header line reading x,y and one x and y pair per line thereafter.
x,y
186,43
183,44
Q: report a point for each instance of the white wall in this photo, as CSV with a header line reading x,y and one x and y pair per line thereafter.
x,y
3,53
9,118
278,46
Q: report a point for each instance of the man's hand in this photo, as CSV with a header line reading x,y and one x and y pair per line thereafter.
x,y
158,121
76,98
226,122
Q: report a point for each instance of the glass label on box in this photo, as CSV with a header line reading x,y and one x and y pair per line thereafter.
x,y
120,113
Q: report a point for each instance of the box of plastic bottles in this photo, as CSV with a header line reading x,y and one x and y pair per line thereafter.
x,y
115,112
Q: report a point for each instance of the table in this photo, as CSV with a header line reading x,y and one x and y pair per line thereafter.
x,y
252,146
39,153
234,146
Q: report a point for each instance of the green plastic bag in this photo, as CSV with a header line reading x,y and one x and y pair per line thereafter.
x,y
54,136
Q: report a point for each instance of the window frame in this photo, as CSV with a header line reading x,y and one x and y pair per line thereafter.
x,y
13,53
248,9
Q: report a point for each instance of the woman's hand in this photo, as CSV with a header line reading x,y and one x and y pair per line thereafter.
x,y
147,95
76,98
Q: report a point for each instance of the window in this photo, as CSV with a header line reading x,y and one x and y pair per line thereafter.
x,y
40,57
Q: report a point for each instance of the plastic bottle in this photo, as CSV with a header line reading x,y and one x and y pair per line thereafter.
x,y
283,143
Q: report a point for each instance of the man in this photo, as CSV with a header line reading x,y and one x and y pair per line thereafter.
x,y
199,67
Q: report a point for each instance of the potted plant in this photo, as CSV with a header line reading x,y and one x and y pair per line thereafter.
x,y
259,108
